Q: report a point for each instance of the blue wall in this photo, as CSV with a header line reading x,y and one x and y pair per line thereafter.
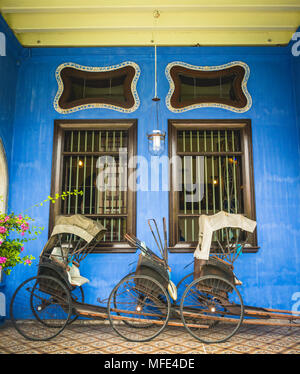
x,y
9,65
271,276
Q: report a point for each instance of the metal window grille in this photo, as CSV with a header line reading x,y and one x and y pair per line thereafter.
x,y
104,184
212,178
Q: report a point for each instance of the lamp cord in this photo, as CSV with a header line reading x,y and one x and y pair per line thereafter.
x,y
155,72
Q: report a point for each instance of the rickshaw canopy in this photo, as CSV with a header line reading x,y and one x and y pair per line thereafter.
x,y
220,220
78,225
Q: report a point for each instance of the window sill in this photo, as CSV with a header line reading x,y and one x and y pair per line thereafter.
x,y
114,248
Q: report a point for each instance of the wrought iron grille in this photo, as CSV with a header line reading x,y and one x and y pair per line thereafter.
x,y
211,177
92,164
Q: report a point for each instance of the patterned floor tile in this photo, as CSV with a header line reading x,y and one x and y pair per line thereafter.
x,y
69,344
292,351
253,343
115,340
264,339
50,349
146,349
81,349
192,344
99,344
230,352
31,352
176,340
161,343
132,344
189,352
99,338
162,352
263,352
275,348
242,348
178,349
114,349
98,352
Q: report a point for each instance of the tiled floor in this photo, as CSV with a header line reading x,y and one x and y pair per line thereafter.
x,y
95,338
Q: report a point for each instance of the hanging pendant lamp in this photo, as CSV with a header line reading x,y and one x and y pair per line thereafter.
x,y
156,138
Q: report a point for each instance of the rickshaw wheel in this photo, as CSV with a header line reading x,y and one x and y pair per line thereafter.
x,y
41,308
138,308
215,304
129,323
184,282
77,295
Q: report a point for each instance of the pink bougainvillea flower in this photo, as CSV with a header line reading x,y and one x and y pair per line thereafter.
x,y
20,217
7,218
3,260
28,261
24,226
22,249
2,230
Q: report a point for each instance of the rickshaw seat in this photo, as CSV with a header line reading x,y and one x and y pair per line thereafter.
x,y
74,276
59,255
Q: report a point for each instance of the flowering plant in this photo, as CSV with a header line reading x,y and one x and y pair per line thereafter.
x,y
11,248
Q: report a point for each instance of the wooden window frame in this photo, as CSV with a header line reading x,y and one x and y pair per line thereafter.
x,y
247,173
68,72
57,170
238,71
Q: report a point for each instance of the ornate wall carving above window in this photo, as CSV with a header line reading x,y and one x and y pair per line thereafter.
x,y
223,86
86,87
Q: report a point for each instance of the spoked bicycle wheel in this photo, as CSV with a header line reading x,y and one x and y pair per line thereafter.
x,y
183,284
41,308
77,295
212,309
138,308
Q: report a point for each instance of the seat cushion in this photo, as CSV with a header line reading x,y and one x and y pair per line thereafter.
x,y
74,276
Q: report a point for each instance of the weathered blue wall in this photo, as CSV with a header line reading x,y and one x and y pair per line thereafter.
x,y
271,276
8,81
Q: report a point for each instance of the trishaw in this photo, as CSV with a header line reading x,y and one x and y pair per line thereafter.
x,y
206,302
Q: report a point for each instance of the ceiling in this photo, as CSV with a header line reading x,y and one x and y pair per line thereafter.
x,y
143,22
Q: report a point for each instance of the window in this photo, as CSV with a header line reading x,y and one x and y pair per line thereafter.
x,y
211,170
216,86
83,87
92,157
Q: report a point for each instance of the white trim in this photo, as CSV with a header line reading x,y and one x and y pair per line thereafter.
x,y
96,69
211,105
